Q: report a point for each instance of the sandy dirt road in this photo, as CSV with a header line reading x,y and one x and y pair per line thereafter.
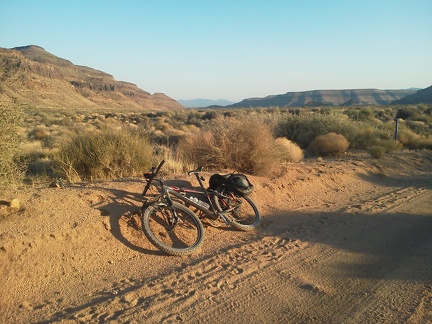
x,y
343,240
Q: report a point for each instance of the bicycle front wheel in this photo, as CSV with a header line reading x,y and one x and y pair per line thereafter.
x,y
175,238
243,211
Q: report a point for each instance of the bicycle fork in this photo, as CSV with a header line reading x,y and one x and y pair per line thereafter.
x,y
172,218
170,215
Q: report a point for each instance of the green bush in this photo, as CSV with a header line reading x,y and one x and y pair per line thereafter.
x,y
105,154
360,113
408,112
303,128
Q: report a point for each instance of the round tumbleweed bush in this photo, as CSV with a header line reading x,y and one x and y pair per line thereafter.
x,y
288,151
241,145
328,144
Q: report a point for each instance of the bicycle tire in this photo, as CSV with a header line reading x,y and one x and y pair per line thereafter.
x,y
184,238
245,216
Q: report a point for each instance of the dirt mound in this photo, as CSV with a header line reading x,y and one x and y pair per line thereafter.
x,y
342,240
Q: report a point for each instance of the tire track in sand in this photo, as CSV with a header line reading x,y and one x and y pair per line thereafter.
x,y
252,281
210,287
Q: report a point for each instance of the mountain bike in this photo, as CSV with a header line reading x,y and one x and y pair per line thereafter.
x,y
174,228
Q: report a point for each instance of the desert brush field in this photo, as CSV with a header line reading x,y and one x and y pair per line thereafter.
x,y
346,208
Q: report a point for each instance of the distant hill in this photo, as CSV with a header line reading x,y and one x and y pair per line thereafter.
x,y
421,96
326,98
31,76
200,103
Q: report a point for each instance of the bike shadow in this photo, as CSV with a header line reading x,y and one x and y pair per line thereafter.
x,y
123,209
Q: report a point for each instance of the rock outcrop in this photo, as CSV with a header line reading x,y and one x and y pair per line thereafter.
x,y
31,76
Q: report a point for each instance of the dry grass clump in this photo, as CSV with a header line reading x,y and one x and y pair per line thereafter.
x,y
377,151
174,164
329,144
242,145
11,170
105,154
39,133
287,150
201,148
382,147
35,156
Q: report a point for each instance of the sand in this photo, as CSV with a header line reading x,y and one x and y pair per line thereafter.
x,y
343,240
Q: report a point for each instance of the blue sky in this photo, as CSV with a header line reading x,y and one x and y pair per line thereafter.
x,y
227,49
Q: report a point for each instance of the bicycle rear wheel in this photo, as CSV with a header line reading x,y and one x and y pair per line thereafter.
x,y
182,238
244,213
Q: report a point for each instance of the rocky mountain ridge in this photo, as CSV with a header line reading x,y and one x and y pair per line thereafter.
x,y
421,96
31,76
349,97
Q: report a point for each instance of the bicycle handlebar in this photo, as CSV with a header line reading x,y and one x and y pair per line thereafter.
x,y
151,175
196,171
160,166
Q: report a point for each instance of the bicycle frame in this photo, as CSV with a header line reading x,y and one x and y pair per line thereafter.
x,y
180,193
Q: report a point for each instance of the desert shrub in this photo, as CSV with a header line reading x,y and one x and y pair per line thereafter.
x,y
412,140
194,118
39,133
382,147
407,112
11,170
328,144
288,151
363,135
418,127
302,129
360,113
209,115
174,163
105,154
42,133
201,147
390,145
377,152
385,114
32,153
243,145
